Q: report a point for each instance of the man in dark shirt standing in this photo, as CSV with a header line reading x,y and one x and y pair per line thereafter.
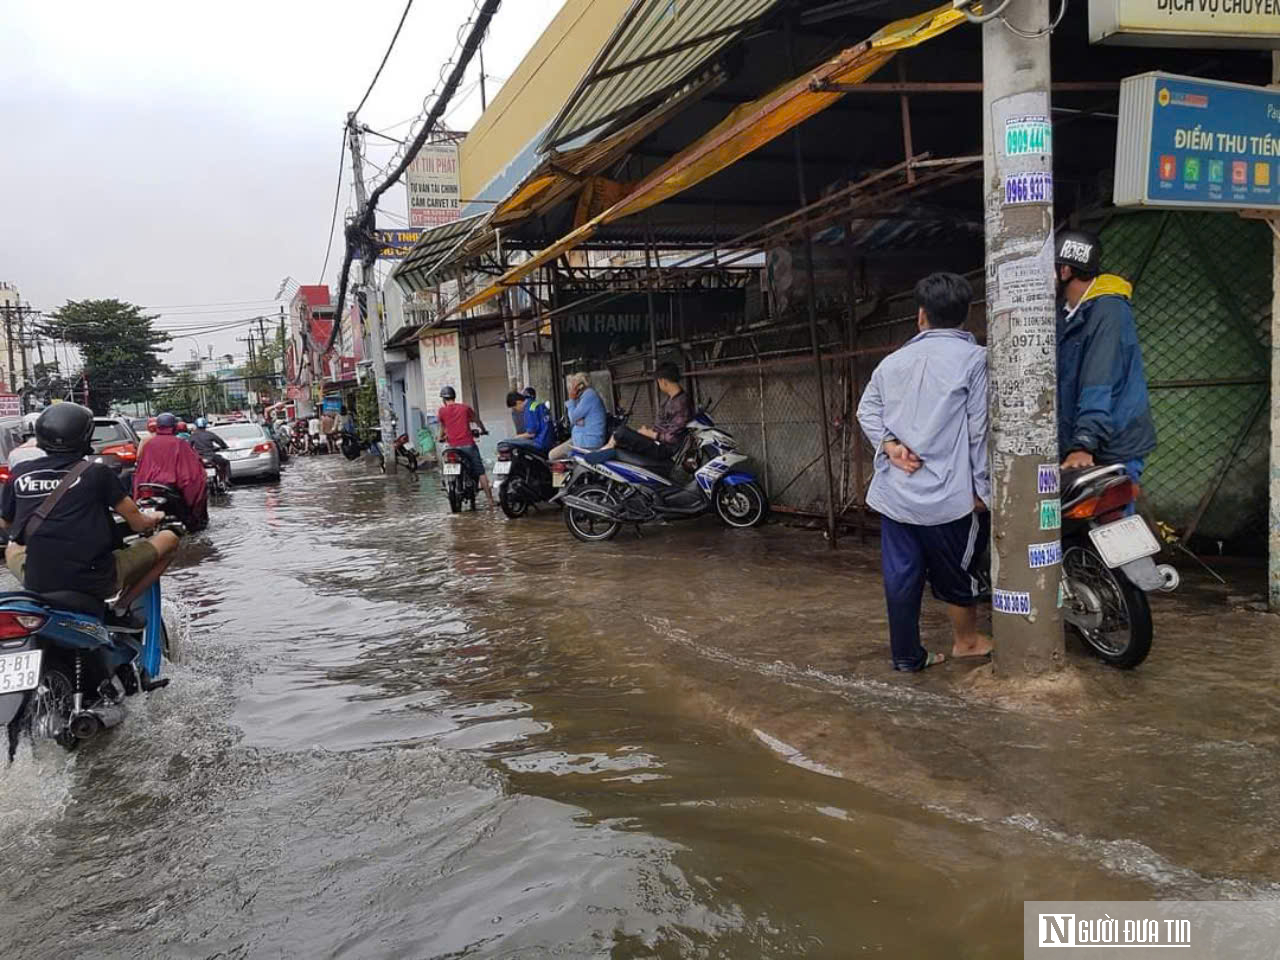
x,y
662,440
72,549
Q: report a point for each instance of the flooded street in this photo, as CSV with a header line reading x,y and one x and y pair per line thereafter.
x,y
395,732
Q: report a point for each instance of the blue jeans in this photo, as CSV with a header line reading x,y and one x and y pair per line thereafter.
x,y
944,555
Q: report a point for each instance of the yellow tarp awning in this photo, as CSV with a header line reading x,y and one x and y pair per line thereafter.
x,y
746,129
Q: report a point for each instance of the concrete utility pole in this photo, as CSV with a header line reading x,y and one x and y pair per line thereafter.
x,y
22,352
8,338
1273,579
1026,548
370,315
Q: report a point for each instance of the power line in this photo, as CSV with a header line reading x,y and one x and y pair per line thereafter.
x,y
361,227
391,46
337,192
213,303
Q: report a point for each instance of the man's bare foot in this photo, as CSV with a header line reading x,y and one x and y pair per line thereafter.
x,y
978,647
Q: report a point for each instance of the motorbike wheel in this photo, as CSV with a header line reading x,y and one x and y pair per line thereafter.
x,y
513,505
455,497
587,527
49,709
743,505
1122,637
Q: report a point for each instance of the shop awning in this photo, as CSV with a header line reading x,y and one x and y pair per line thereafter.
x,y
656,47
417,270
746,129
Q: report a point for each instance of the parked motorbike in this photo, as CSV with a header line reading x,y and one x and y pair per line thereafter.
x,y
459,481
214,481
1107,565
405,454
67,662
524,476
601,495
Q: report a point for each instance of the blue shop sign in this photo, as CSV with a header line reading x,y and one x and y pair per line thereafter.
x,y
1199,144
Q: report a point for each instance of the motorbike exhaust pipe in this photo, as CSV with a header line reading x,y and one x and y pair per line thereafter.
x,y
1170,576
87,724
586,506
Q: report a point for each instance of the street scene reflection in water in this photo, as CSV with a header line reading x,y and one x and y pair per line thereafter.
x,y
396,732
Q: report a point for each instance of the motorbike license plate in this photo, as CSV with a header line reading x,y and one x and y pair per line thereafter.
x,y
210,473
558,479
501,468
1124,541
19,671
452,469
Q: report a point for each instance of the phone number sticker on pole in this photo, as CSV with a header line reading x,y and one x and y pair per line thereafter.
x,y
1011,601
1047,479
1044,554
1023,188
1050,514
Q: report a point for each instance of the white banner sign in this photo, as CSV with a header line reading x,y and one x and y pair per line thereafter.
x,y
441,366
432,180
1186,23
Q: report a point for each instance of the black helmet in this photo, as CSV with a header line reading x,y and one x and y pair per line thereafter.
x,y
65,428
1081,251
448,393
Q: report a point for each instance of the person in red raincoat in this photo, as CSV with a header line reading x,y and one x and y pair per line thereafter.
x,y
170,460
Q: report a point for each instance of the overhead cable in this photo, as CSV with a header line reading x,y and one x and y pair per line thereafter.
x,y
361,227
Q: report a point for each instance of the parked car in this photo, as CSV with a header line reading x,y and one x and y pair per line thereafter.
x,y
115,443
252,452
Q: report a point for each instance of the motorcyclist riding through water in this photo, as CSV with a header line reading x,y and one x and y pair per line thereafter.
x,y
66,543
207,443
170,461
455,429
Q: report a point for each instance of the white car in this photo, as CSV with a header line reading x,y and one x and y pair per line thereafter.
x,y
252,452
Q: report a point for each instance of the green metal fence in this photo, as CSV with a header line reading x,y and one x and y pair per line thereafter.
x,y
1202,300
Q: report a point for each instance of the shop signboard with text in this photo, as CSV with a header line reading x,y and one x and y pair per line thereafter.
x,y
432,182
441,363
1218,24
396,244
1194,144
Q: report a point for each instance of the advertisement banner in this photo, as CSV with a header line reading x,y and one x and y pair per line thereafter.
x,y
441,366
1221,24
1197,144
396,244
10,405
432,181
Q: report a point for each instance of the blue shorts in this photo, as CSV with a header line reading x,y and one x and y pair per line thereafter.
x,y
946,555
471,459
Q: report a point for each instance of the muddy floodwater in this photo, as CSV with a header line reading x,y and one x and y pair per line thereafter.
x,y
395,732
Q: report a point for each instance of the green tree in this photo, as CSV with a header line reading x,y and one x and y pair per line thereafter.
x,y
119,345
261,373
180,396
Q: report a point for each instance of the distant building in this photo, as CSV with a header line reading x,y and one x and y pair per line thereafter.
x,y
17,333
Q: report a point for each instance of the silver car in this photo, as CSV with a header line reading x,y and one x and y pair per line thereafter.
x,y
252,451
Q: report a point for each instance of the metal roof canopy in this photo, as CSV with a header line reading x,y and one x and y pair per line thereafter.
x,y
656,46
415,271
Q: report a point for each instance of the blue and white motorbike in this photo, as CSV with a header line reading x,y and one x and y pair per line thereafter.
x,y
603,495
67,663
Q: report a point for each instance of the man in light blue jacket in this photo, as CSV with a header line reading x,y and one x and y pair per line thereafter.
x,y
925,410
586,417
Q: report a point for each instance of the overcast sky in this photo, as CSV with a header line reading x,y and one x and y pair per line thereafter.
x,y
186,154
